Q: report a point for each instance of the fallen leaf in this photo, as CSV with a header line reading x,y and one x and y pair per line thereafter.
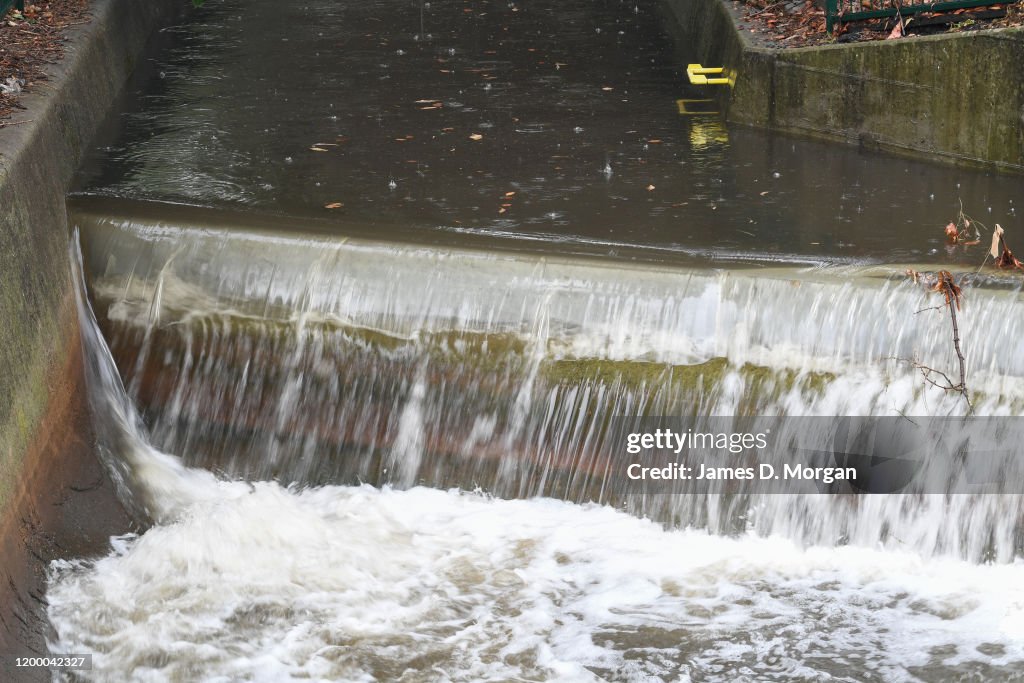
x,y
952,233
333,205
996,234
510,194
650,188
476,136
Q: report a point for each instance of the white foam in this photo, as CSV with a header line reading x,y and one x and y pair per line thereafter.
x,y
366,584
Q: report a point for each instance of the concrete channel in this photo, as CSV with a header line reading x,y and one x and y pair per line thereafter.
x,y
957,99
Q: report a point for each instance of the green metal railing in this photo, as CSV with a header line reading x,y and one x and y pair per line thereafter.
x,y
6,5
842,11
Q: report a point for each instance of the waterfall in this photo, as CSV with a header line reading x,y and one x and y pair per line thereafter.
x,y
311,360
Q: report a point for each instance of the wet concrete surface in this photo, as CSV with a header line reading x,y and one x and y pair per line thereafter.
x,y
554,125
65,507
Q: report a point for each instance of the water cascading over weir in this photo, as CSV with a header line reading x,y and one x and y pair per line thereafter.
x,y
369,293
310,360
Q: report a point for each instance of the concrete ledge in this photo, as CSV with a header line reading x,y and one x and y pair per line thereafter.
x,y
42,395
957,98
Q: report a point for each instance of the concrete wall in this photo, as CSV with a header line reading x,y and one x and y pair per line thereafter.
x,y
53,497
955,97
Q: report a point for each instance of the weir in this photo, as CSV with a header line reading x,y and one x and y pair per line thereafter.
x,y
311,360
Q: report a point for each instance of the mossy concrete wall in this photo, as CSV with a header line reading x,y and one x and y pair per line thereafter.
x,y
41,389
956,97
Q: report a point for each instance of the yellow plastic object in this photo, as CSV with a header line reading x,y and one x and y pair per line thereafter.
x,y
698,75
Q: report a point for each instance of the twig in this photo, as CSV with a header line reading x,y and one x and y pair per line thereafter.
x,y
956,340
947,286
4,124
765,9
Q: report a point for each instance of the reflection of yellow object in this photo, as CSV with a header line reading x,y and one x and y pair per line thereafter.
x,y
705,133
698,75
687,108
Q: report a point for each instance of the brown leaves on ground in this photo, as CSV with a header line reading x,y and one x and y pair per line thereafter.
x,y
784,24
796,23
32,40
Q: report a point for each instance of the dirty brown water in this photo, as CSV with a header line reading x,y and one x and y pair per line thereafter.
x,y
576,106
386,417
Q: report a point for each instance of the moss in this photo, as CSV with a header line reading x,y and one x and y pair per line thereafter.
x,y
635,373
699,376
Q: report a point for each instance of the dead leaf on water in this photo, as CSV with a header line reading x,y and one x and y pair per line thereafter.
x,y
333,205
996,234
476,136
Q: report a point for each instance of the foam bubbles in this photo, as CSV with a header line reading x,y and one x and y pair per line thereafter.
x,y
362,584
